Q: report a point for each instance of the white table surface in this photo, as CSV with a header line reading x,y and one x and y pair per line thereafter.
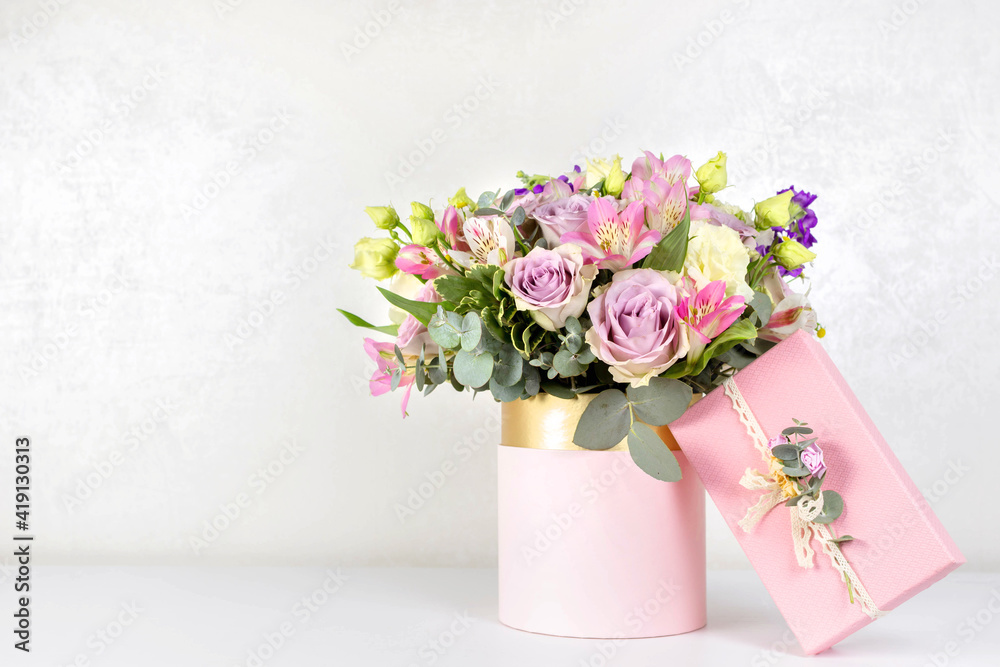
x,y
396,617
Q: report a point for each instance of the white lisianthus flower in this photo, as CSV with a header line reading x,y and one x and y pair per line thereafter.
x,y
717,253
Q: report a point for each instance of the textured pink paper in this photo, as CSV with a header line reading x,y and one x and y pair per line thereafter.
x,y
591,546
900,547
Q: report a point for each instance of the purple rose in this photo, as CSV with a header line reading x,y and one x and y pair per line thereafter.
x,y
551,285
812,458
636,328
562,216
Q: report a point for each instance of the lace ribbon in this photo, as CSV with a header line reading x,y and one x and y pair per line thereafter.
x,y
804,529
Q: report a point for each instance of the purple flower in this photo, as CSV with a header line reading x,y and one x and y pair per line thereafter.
x,y
636,328
562,216
812,458
800,228
552,285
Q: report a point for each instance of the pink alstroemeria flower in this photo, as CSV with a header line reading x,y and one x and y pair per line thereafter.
x,y
665,204
385,359
614,240
676,169
707,312
419,261
450,224
491,241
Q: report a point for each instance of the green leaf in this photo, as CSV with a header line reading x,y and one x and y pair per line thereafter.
x,y
518,218
390,329
421,310
761,306
445,328
786,452
557,390
661,401
573,343
506,394
842,539
605,422
479,212
652,455
418,372
799,430
740,330
737,357
507,369
758,346
486,200
508,199
437,370
532,380
566,364
394,381
795,471
473,370
472,331
573,326
669,253
833,507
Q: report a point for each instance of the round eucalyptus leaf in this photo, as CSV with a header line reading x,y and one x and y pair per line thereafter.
x,y
833,507
506,394
605,422
472,331
532,380
566,365
661,401
652,455
508,367
472,370
443,331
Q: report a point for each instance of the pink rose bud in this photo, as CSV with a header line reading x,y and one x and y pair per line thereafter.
x,y
812,458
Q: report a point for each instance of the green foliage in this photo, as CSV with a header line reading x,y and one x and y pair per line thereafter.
x,y
389,329
661,401
605,422
421,310
669,253
651,454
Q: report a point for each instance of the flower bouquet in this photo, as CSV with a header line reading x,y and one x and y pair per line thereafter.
x,y
635,289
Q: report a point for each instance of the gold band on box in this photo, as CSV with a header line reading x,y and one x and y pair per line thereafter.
x,y
547,422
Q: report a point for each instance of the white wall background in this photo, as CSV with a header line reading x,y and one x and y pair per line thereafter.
x,y
128,264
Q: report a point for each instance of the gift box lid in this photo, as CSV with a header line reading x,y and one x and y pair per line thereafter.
x,y
899,546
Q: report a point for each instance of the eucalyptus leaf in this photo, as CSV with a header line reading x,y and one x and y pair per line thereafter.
x,y
473,370
487,211
566,365
518,218
786,452
842,539
797,430
795,471
472,331
652,455
572,325
661,401
508,199
833,507
605,422
574,342
445,329
395,379
532,380
507,369
506,394
762,307
399,356
418,377
558,390
486,200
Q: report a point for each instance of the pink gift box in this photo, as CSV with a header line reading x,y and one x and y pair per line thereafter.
x,y
900,547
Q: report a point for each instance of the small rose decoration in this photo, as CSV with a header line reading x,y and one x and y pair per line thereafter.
x,y
562,216
777,440
812,458
636,329
552,285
